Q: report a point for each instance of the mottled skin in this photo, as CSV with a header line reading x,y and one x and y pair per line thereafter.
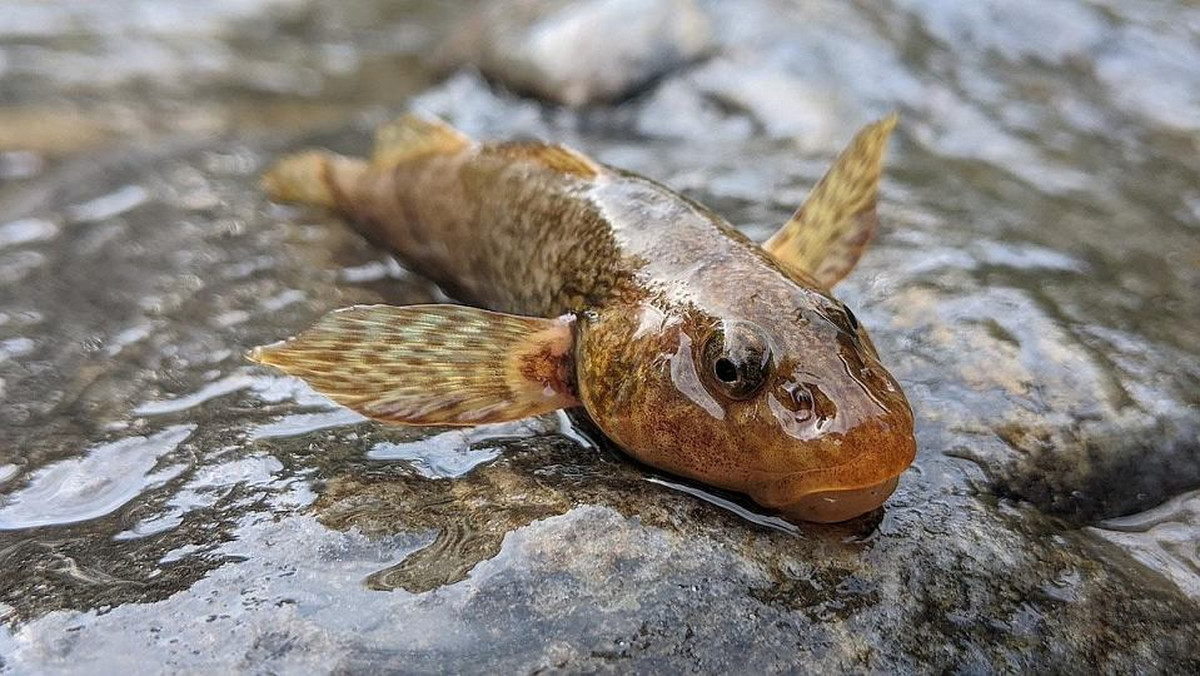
x,y
650,277
494,230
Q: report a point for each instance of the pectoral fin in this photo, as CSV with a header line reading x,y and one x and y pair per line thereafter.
x,y
433,364
828,234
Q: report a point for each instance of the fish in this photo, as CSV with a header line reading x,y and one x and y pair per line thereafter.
x,y
584,286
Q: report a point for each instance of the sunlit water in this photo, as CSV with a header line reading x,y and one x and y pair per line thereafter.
x,y
165,505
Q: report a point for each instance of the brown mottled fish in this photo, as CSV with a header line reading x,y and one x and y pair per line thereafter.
x,y
696,350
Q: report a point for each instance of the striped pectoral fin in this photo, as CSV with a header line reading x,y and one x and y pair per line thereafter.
x,y
828,234
433,364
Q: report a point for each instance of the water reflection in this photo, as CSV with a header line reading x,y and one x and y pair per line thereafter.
x,y
1163,538
94,484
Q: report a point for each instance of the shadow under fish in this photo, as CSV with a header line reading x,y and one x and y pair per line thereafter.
x,y
535,478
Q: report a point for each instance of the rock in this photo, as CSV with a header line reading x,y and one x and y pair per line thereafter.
x,y
290,523
233,520
578,53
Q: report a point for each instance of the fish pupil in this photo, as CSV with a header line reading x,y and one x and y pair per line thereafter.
x,y
737,360
725,370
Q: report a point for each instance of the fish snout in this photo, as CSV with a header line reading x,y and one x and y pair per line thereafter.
x,y
877,454
833,506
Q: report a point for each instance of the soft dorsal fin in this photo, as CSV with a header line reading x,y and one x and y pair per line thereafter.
x,y
828,234
434,364
411,136
556,157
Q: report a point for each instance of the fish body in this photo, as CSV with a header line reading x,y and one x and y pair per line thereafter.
x,y
693,348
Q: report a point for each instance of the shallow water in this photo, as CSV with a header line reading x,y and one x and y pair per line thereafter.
x,y
165,505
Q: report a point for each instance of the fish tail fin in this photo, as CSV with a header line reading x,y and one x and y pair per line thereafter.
x,y
325,179
314,177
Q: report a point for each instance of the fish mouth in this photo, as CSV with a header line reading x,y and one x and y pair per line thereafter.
x,y
834,505
840,492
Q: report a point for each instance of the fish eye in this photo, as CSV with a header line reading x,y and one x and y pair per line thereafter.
x,y
736,360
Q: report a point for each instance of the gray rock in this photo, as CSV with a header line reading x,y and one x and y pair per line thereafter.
x,y
576,53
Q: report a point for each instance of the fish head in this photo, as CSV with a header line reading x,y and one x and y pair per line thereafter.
x,y
785,400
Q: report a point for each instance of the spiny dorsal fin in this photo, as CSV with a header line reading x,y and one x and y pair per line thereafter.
x,y
433,364
828,234
411,136
556,157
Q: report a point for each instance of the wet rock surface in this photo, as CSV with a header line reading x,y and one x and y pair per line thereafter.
x,y
164,505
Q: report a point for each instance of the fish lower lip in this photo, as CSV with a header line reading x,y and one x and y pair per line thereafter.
x,y
831,506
